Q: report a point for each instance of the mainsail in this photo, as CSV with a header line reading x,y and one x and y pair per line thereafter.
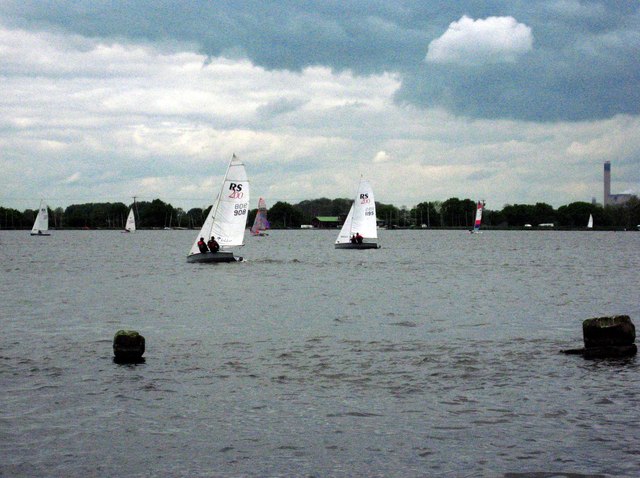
x,y
227,218
41,224
260,223
131,222
362,215
590,223
478,221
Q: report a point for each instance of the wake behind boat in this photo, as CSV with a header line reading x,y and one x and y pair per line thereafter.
x,y
41,224
226,220
360,230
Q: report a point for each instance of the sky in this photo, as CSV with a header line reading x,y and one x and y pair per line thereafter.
x,y
513,102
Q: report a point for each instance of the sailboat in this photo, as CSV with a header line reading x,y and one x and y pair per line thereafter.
x,y
41,224
131,222
260,223
478,221
360,225
590,223
227,218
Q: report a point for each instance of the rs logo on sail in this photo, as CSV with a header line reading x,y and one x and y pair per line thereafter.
x,y
364,198
236,191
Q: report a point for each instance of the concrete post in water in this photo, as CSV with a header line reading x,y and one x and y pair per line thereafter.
x,y
607,337
128,346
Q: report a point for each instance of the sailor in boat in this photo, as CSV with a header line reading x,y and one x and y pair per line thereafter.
x,y
353,239
359,238
213,245
202,246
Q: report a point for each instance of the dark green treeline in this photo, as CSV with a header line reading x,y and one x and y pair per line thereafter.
x,y
452,213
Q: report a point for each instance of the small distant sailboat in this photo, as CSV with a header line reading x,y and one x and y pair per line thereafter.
x,y
41,224
227,219
260,223
590,222
478,221
360,225
131,222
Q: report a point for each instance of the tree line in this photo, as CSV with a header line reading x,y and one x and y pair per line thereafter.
x,y
452,213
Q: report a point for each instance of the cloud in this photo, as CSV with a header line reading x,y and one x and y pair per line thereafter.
x,y
582,67
112,107
74,178
381,157
490,40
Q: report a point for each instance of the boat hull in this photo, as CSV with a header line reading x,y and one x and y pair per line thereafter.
x,y
40,234
206,257
364,245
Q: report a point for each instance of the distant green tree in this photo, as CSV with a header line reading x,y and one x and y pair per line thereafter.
x,y
196,216
95,215
426,213
14,219
323,207
387,213
577,214
455,213
284,215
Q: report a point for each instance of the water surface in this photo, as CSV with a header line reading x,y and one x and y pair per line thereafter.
x,y
436,355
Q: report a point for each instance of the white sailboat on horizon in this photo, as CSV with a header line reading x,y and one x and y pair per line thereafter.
x,y
130,226
41,224
360,230
590,222
227,218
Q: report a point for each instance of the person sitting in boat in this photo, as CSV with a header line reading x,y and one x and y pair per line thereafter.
x,y
202,245
213,245
359,238
353,239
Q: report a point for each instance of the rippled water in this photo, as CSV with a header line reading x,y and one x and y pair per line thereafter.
x,y
437,355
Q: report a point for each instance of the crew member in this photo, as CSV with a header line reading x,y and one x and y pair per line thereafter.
x,y
202,245
213,245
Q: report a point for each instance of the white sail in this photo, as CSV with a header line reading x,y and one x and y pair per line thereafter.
x,y
590,223
362,216
131,221
41,224
227,219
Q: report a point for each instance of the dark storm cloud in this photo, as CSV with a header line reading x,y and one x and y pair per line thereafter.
x,y
582,63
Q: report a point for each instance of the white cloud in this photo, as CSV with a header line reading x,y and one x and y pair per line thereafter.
x,y
381,157
74,178
490,40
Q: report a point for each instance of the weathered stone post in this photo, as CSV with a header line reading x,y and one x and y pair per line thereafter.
x,y
128,346
607,337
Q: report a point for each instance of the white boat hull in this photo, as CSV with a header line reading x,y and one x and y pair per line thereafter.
x,y
206,257
364,245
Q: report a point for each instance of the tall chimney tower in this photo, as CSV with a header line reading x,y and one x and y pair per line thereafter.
x,y
607,182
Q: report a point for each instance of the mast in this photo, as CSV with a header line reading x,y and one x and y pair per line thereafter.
x,y
137,213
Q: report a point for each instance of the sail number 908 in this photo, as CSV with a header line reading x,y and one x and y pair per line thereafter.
x,y
240,209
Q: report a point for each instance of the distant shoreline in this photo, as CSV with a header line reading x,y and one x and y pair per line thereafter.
x,y
486,229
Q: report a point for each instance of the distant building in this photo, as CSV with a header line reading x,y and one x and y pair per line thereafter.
x,y
325,222
612,199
